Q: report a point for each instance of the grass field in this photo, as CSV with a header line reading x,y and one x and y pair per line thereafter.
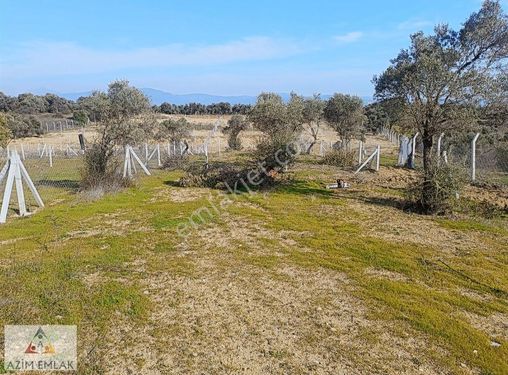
x,y
297,279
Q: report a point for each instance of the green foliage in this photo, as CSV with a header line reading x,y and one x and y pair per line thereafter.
x,y
236,124
345,114
29,104
502,156
438,190
80,116
440,78
5,132
277,153
22,126
313,115
174,130
124,119
272,116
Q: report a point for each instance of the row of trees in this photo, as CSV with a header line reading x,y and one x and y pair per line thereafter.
x,y
30,104
222,108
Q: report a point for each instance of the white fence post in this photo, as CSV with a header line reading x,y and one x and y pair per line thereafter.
x,y
439,148
413,151
473,157
378,155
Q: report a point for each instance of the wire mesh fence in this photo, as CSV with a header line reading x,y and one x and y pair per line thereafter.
x,y
485,161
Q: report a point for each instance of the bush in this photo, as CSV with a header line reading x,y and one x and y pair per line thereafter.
x,y
340,158
101,171
215,176
441,186
502,157
276,153
23,126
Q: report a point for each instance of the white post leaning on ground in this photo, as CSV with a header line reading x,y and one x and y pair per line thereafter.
x,y
473,157
376,154
16,173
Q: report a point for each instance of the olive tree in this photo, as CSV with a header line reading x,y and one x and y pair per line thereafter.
x,y
313,114
442,76
281,124
5,133
236,124
124,119
345,114
175,131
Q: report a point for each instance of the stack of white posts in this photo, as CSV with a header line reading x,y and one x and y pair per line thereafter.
x,y
16,173
130,161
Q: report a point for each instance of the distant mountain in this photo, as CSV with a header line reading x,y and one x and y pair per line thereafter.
x,y
158,97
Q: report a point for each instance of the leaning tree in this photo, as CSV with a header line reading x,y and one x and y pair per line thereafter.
x,y
441,77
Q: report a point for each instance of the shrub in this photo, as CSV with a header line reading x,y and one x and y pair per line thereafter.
x,y
5,133
101,171
275,154
215,175
340,158
23,126
502,157
437,192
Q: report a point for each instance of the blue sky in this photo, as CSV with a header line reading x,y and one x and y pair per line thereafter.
x,y
215,47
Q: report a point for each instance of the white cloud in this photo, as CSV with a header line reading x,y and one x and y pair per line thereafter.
x,y
62,58
413,25
350,37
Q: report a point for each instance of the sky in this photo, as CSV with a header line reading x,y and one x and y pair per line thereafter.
x,y
215,47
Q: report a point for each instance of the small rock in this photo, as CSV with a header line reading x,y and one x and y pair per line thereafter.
x,y
475,351
319,309
146,292
495,344
462,365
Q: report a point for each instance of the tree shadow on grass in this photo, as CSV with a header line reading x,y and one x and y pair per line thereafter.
x,y
71,185
172,183
301,187
362,197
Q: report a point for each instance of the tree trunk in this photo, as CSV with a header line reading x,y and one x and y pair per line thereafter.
x,y
428,190
309,149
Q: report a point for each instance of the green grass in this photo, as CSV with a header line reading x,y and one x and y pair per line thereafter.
x,y
48,272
